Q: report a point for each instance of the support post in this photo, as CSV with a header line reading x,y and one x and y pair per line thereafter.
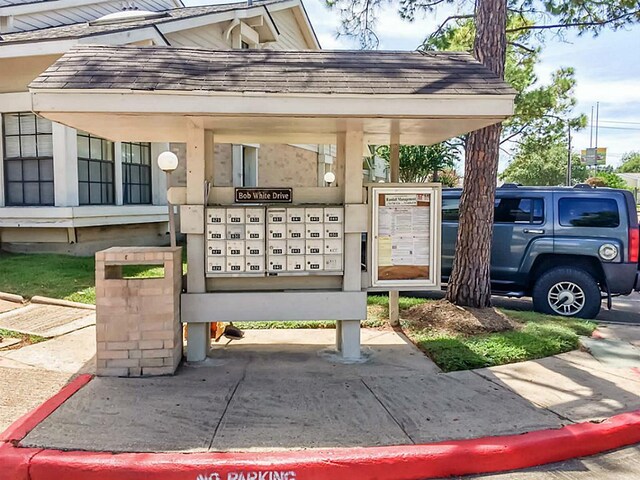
x,y
199,334
65,165
352,281
394,160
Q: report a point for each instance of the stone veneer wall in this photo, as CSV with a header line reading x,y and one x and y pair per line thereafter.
x,y
138,329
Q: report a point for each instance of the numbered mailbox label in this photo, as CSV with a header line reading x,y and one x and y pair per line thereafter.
x,y
314,215
296,231
254,216
254,232
314,231
216,215
332,230
333,247
216,232
295,215
235,232
314,263
277,232
277,265
235,216
295,263
333,262
333,215
314,247
235,248
216,265
236,264
254,265
277,215
278,247
254,249
216,248
295,247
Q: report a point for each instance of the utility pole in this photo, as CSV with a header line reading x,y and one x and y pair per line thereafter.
x,y
568,154
596,145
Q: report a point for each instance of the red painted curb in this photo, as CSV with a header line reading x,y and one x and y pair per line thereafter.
x,y
21,427
406,462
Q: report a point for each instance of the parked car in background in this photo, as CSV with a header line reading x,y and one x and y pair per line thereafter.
x,y
565,247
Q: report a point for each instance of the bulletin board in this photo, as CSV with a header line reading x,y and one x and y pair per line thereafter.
x,y
405,233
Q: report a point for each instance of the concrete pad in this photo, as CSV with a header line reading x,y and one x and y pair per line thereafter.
x,y
46,320
457,406
613,353
21,390
6,342
574,386
5,305
628,333
177,413
73,353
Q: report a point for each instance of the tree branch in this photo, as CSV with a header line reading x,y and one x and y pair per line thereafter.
x,y
521,46
438,30
593,23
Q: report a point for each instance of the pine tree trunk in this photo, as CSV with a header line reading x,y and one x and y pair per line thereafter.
x,y
469,284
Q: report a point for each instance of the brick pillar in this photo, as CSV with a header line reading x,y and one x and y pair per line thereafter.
x,y
138,329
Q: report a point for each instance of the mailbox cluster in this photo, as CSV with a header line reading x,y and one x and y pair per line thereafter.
x,y
274,240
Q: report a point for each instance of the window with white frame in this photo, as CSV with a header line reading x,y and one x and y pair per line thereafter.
x,y
95,170
28,159
136,173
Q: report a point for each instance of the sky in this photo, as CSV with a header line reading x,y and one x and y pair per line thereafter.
x,y
607,68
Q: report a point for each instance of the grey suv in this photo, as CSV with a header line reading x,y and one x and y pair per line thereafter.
x,y
565,247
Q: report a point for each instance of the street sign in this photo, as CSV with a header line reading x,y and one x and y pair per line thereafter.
x,y
593,156
263,195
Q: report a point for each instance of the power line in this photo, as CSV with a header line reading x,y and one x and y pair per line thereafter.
x,y
621,122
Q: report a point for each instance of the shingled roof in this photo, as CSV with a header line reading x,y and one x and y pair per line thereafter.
x,y
85,29
274,72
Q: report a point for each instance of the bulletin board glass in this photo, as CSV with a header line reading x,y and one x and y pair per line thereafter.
x,y
405,224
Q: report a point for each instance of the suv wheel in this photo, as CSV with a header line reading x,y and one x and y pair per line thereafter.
x,y
566,291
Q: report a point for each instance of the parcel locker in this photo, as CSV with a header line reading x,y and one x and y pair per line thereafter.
x,y
277,247
254,265
314,247
235,248
216,265
217,248
295,230
333,247
314,231
216,215
295,215
254,232
253,216
276,215
333,262
314,215
295,247
235,232
254,248
236,264
216,232
295,263
277,264
314,263
333,214
235,216
332,230
277,231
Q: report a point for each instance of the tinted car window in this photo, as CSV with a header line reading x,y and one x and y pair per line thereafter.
x,y
519,210
450,209
589,212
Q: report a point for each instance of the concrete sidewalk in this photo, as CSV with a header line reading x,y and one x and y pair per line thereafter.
x,y
282,389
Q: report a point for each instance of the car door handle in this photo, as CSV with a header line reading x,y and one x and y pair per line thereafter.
x,y
537,231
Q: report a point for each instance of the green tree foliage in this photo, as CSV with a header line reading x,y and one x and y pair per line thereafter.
x,y
630,163
548,166
419,163
607,178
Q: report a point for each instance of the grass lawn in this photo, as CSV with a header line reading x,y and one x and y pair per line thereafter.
x,y
540,336
26,339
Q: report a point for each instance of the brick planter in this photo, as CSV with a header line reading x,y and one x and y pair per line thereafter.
x,y
138,329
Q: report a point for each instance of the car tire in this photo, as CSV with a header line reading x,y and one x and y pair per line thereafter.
x,y
567,291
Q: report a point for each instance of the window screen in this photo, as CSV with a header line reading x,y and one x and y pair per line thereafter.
x,y
518,210
95,170
589,212
28,159
136,173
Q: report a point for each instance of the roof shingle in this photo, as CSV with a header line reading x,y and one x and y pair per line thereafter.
x,y
261,71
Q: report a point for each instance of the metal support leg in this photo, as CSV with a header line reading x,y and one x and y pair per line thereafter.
x,y
339,335
394,308
198,341
350,339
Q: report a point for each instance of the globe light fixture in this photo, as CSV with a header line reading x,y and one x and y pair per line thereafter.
x,y
167,161
329,177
